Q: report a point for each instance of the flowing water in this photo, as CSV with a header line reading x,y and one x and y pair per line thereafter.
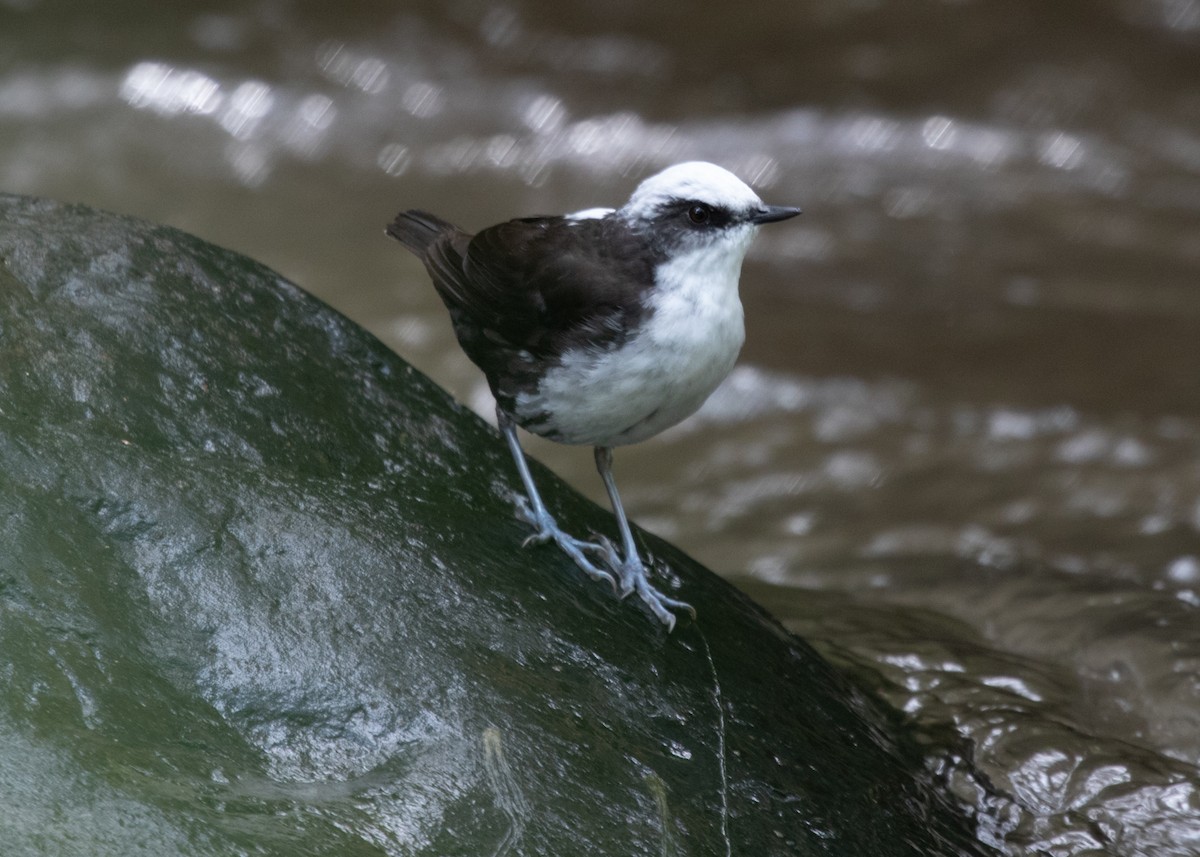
x,y
961,453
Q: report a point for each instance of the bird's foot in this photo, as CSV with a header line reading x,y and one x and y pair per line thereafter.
x,y
634,578
612,558
547,530
626,575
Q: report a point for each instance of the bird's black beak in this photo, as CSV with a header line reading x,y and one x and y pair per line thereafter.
x,y
772,213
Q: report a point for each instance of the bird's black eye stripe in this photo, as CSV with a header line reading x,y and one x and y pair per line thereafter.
x,y
698,215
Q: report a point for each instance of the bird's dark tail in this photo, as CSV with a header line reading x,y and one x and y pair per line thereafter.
x,y
417,230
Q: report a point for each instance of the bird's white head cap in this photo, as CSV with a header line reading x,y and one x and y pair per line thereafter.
x,y
697,181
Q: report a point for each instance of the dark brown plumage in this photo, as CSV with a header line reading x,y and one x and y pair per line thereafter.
x,y
524,292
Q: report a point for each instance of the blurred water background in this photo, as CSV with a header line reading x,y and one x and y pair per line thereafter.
x,y
960,453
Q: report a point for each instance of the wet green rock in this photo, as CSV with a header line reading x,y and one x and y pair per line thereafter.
x,y
262,592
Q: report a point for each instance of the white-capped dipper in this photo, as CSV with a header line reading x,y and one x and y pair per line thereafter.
x,y
602,327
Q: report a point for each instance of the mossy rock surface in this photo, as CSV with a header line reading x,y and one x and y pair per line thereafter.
x,y
262,592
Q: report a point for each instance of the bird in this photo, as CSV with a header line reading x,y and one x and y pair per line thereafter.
x,y
602,328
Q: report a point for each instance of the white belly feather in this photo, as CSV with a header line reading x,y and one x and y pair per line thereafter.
x,y
662,373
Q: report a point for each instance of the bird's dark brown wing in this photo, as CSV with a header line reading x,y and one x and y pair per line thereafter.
x,y
524,292
545,284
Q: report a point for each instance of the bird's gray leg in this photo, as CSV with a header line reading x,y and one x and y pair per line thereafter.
x,y
533,511
631,569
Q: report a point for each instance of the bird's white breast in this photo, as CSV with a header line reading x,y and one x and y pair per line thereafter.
x,y
661,373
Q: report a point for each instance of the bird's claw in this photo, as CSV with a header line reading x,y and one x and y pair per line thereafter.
x,y
635,578
613,559
546,530
538,538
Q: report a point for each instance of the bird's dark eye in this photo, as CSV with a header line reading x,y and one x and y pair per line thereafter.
x,y
699,214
